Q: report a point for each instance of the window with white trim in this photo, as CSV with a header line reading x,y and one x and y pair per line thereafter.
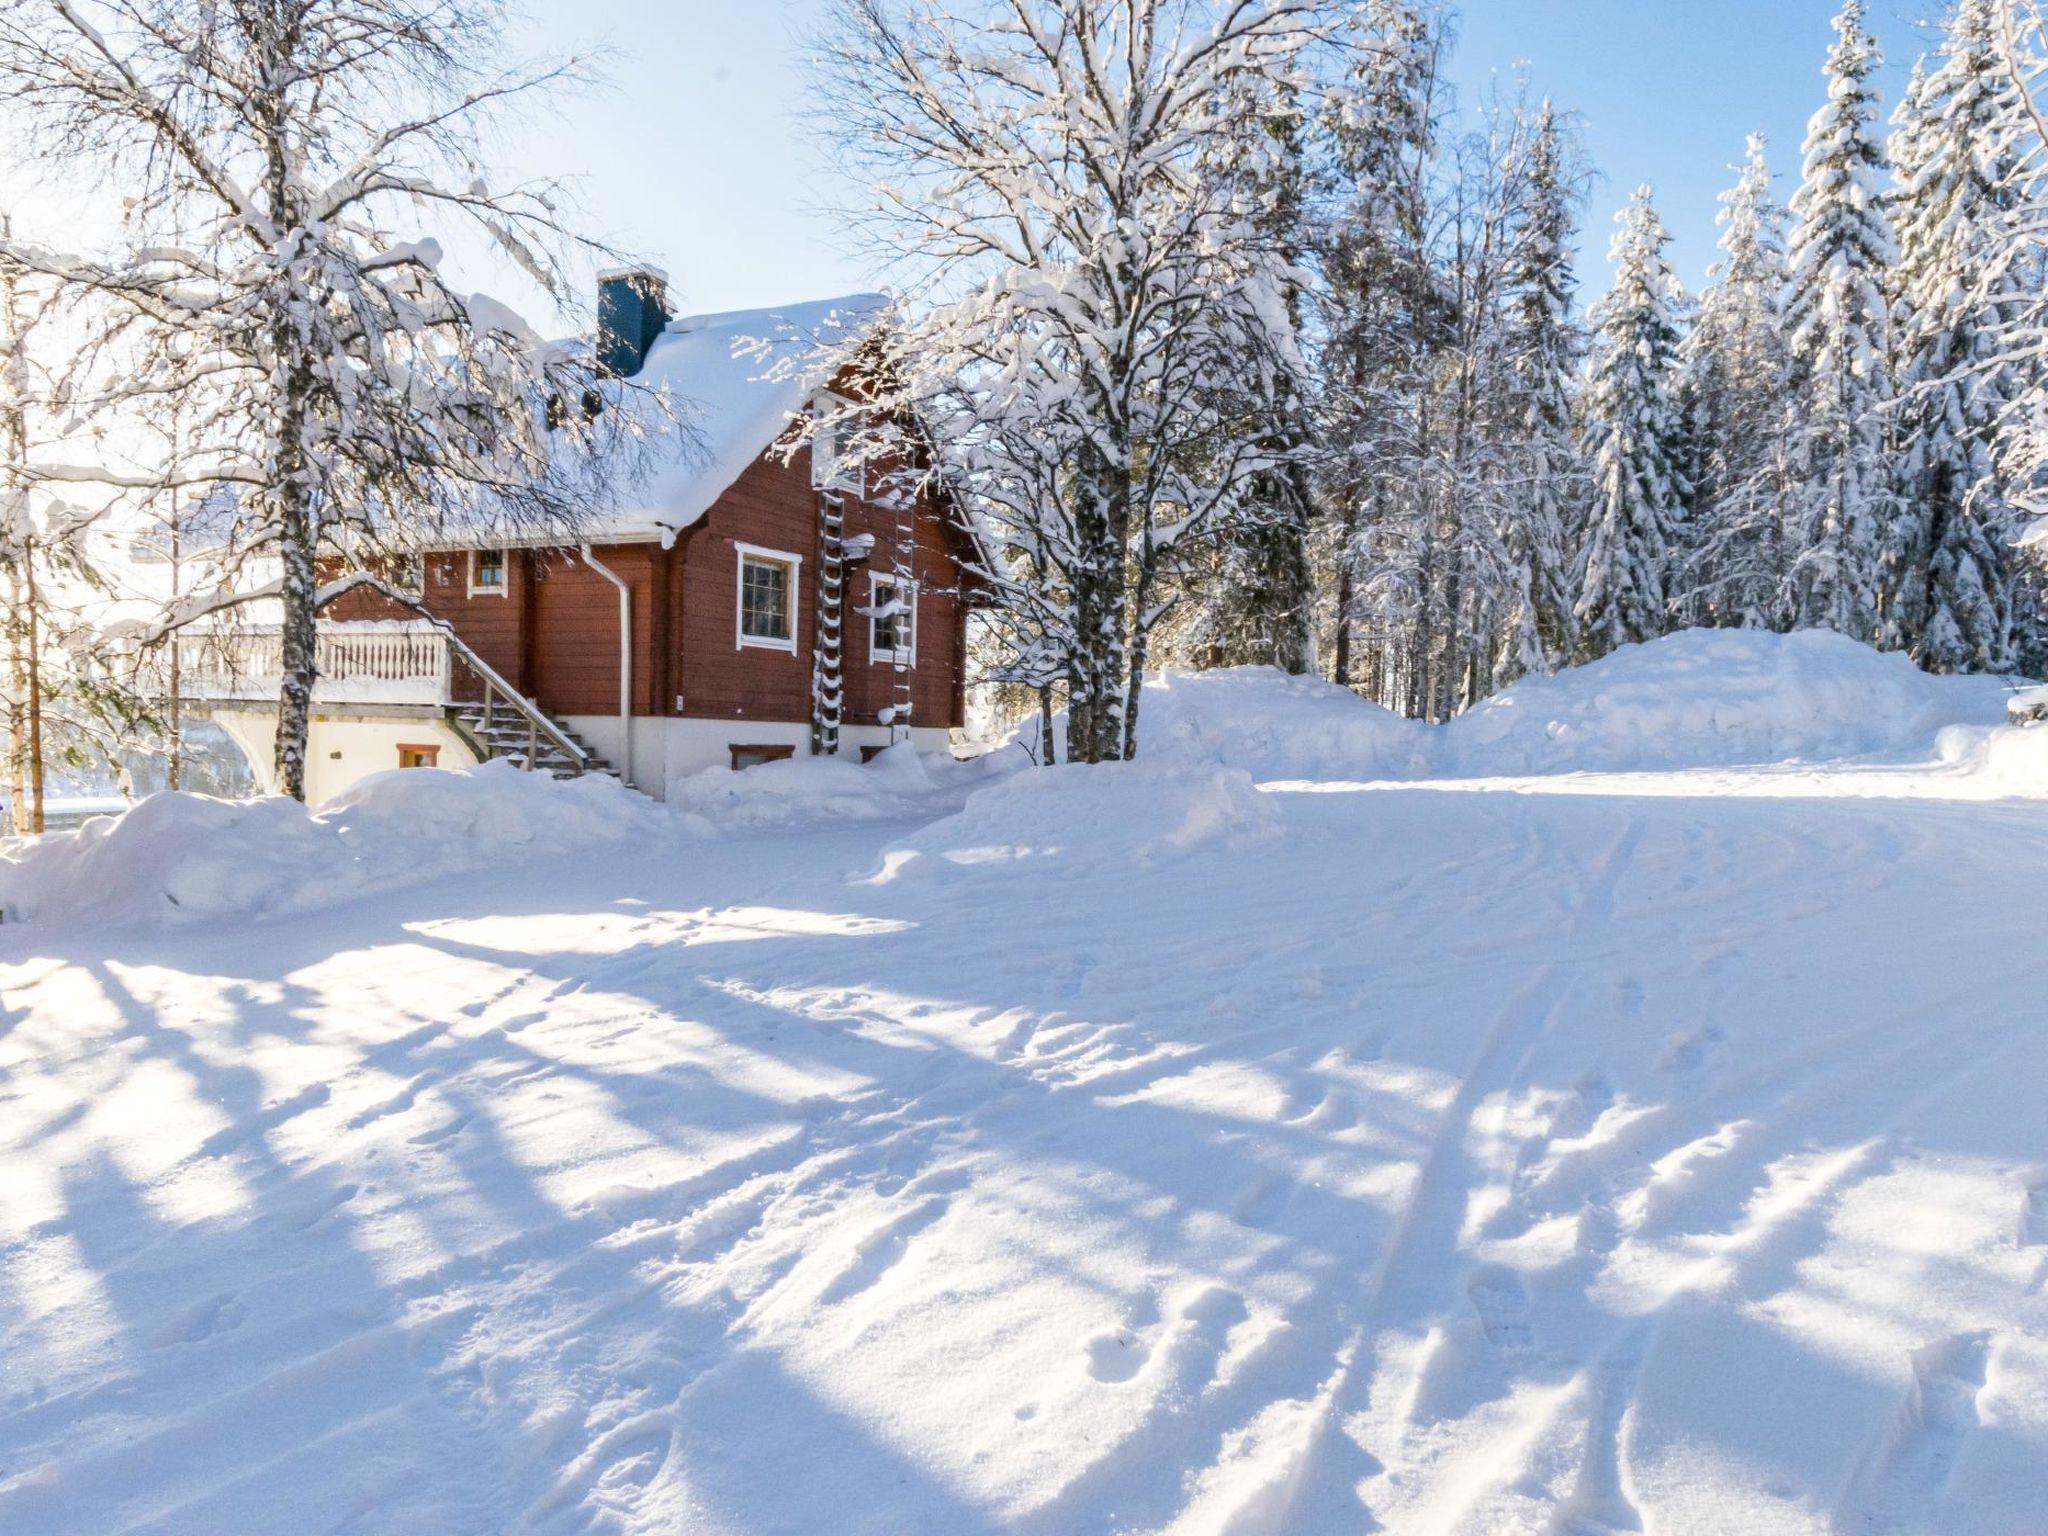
x,y
487,573
892,620
767,598
835,465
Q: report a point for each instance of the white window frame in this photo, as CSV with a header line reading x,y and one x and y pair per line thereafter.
x,y
829,470
745,641
477,589
907,656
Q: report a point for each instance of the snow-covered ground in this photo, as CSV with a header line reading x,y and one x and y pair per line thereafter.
x,y
1314,1128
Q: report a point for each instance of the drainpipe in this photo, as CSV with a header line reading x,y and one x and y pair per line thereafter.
x,y
625,657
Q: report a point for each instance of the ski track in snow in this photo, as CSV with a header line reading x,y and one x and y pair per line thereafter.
x,y
1481,1158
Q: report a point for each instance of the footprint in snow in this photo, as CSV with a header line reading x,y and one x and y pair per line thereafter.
x,y
317,1211
215,1315
1334,1110
1182,1353
1502,1303
1685,1055
1116,1356
1901,1484
2034,1208
446,1131
265,1121
882,1249
1263,1202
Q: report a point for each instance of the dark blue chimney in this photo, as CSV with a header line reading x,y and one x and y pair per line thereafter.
x,y
632,309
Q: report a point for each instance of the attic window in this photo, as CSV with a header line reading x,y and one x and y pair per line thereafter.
x,y
835,463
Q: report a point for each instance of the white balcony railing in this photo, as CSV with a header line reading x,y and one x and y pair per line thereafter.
x,y
385,662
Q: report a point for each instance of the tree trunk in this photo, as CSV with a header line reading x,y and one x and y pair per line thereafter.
x,y
1340,648
17,724
296,545
297,515
1095,694
174,710
1141,645
35,694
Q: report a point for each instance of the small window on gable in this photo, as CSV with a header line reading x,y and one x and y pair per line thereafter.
x,y
835,461
487,573
892,620
414,755
767,598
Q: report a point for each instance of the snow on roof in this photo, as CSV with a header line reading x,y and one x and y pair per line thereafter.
x,y
736,381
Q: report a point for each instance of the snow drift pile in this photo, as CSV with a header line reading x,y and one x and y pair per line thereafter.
x,y
1715,698
1701,698
182,858
895,784
1087,815
1277,727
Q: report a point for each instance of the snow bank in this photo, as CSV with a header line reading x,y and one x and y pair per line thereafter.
x,y
896,785
2008,758
1276,727
1700,698
1091,815
1708,698
184,858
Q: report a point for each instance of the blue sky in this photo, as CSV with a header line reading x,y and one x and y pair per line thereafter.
x,y
698,155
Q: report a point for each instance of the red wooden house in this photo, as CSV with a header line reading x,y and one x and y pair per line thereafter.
x,y
748,604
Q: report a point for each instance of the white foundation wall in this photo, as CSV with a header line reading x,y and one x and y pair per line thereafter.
x,y
667,749
341,751
344,751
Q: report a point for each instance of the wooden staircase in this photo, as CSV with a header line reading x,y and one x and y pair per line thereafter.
x,y
506,725
519,732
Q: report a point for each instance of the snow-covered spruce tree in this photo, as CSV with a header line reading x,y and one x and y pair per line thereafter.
x,y
2019,278
1474,423
1543,347
1632,439
1384,314
268,152
1949,562
1738,368
1258,607
1036,164
1448,453
1841,250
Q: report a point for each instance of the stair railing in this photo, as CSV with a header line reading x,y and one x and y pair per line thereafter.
x,y
497,690
396,654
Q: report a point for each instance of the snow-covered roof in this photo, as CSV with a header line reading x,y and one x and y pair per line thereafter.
x,y
735,381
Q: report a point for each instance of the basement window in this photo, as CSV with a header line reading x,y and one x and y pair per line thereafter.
x,y
745,757
487,573
767,599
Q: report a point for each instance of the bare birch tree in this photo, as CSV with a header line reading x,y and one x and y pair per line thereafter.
x,y
283,164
